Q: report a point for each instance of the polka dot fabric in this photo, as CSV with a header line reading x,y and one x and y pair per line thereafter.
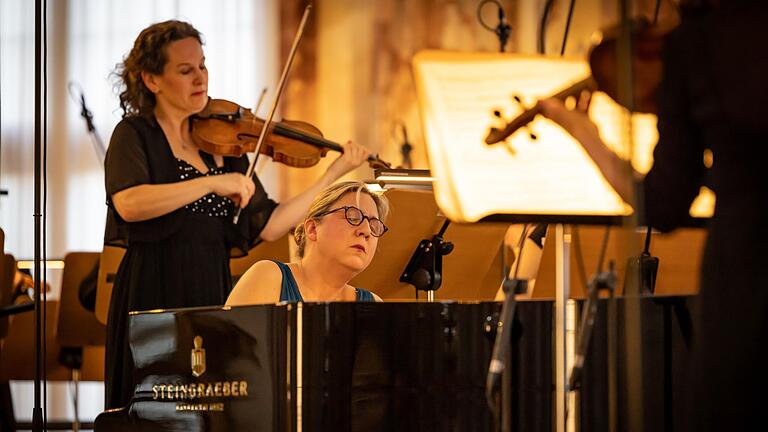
x,y
211,205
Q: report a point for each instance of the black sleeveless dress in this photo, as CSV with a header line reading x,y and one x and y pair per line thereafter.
x,y
177,260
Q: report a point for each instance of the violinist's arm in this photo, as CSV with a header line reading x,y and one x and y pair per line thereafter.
x,y
290,213
578,124
148,201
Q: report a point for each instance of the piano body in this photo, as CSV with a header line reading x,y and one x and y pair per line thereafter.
x,y
330,366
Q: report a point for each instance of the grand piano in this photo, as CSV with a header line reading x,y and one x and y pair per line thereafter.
x,y
383,367
329,366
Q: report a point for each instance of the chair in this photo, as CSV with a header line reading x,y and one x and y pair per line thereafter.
x,y
72,337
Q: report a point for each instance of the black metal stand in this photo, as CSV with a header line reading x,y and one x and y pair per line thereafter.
x,y
37,411
602,281
501,358
605,281
16,308
425,268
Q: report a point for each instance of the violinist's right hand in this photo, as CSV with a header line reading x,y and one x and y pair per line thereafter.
x,y
234,186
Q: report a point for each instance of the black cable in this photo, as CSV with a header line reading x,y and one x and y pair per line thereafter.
x,y
543,26
480,17
567,27
656,12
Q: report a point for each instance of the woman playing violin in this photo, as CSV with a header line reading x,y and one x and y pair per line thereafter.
x,y
336,241
170,203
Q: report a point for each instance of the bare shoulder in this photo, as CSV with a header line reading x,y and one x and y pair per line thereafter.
x,y
376,297
260,284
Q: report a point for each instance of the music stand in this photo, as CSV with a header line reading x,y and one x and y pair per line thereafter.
x,y
550,180
472,271
109,261
76,326
18,351
78,331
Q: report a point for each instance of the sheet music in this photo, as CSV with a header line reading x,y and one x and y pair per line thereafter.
x,y
552,175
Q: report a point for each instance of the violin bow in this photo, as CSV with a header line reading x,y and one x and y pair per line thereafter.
x,y
281,84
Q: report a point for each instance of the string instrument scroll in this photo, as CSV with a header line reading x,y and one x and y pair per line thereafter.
x,y
647,41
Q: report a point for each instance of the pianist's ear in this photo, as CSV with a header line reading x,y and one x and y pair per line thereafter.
x,y
310,229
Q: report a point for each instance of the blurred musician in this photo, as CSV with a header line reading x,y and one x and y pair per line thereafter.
x,y
336,242
712,97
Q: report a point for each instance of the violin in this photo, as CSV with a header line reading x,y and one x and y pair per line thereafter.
x,y
225,128
647,42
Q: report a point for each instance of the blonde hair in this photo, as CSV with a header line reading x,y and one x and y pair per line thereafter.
x,y
325,201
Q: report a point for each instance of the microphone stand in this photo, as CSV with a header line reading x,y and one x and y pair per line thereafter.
x,y
600,281
425,268
501,355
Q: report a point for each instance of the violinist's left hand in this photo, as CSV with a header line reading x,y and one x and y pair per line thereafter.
x,y
575,121
354,155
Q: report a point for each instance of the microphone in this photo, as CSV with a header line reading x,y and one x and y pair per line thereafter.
x,y
86,114
405,147
502,30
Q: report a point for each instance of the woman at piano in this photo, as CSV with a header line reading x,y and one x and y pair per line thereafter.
x,y
172,204
336,241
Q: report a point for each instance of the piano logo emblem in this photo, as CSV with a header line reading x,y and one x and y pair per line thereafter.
x,y
198,357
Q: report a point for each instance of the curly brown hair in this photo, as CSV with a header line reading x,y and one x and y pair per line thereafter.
x,y
148,55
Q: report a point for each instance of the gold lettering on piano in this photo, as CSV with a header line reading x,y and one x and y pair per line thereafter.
x,y
179,391
218,406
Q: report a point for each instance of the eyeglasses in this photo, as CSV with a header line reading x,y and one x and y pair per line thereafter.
x,y
355,217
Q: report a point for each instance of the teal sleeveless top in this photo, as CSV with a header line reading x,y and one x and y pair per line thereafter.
x,y
289,290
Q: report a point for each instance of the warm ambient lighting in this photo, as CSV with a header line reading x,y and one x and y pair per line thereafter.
x,y
463,95
30,264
